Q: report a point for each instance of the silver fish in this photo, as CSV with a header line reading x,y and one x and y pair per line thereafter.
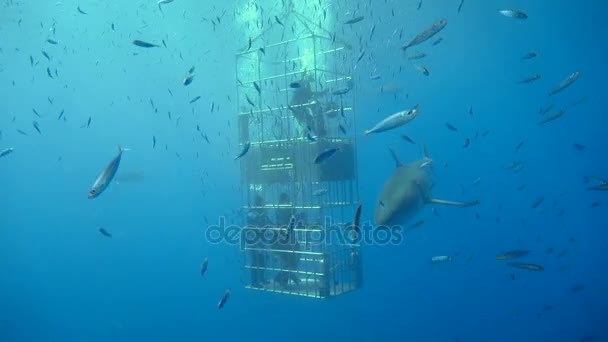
x,y
6,152
565,83
105,177
395,120
514,14
426,34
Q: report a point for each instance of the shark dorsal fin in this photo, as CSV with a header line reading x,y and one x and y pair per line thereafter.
x,y
395,158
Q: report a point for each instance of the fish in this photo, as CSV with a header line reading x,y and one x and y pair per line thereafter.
x,y
81,11
419,55
375,77
195,99
191,70
426,34
50,41
188,80
278,21
143,44
224,298
21,132
295,85
393,121
440,259
341,91
354,20
460,6
320,192
514,254
526,266
244,151
529,55
89,122
423,70
552,117
407,191
530,79
415,225
602,186
36,127
104,232
204,266
356,221
451,127
105,177
36,112
515,14
48,72
6,152
325,155
163,2
408,139
467,141
538,202
250,101
153,141
565,83
547,109
439,40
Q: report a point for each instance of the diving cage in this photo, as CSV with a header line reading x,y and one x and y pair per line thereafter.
x,y
295,100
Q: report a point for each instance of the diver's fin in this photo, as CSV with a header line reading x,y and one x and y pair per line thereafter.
x,y
453,203
395,158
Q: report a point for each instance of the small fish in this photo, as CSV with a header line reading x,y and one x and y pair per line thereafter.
x,y
46,55
423,70
163,2
195,99
278,21
565,83
341,91
250,101
530,79
257,87
36,112
357,218
526,266
294,85
48,72
529,55
6,152
515,14
408,139
31,61
191,70
552,117
105,177
224,298
467,141
440,259
579,147
450,127
514,254
81,11
353,20
415,225
61,114
188,80
375,77
437,42
204,266
153,141
320,192
519,146
244,151
104,232
36,127
143,44
50,41
546,109
460,6
342,129
538,202
21,132
310,137
426,34
471,110
325,155
393,121
89,122
249,45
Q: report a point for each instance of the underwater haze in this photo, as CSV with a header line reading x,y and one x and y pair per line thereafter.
x,y
101,244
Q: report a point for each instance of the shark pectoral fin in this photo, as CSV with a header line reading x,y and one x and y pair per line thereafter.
x,y
394,155
453,203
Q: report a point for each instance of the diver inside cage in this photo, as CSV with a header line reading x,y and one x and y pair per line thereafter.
x,y
308,106
286,244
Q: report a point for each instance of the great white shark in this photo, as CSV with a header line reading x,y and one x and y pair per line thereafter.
x,y
407,191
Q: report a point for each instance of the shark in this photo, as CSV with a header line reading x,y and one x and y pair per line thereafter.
x,y
407,191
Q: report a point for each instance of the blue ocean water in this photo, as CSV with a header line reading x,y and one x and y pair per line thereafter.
x,y
61,280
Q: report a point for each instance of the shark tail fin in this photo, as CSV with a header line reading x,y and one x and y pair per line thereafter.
x,y
453,203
